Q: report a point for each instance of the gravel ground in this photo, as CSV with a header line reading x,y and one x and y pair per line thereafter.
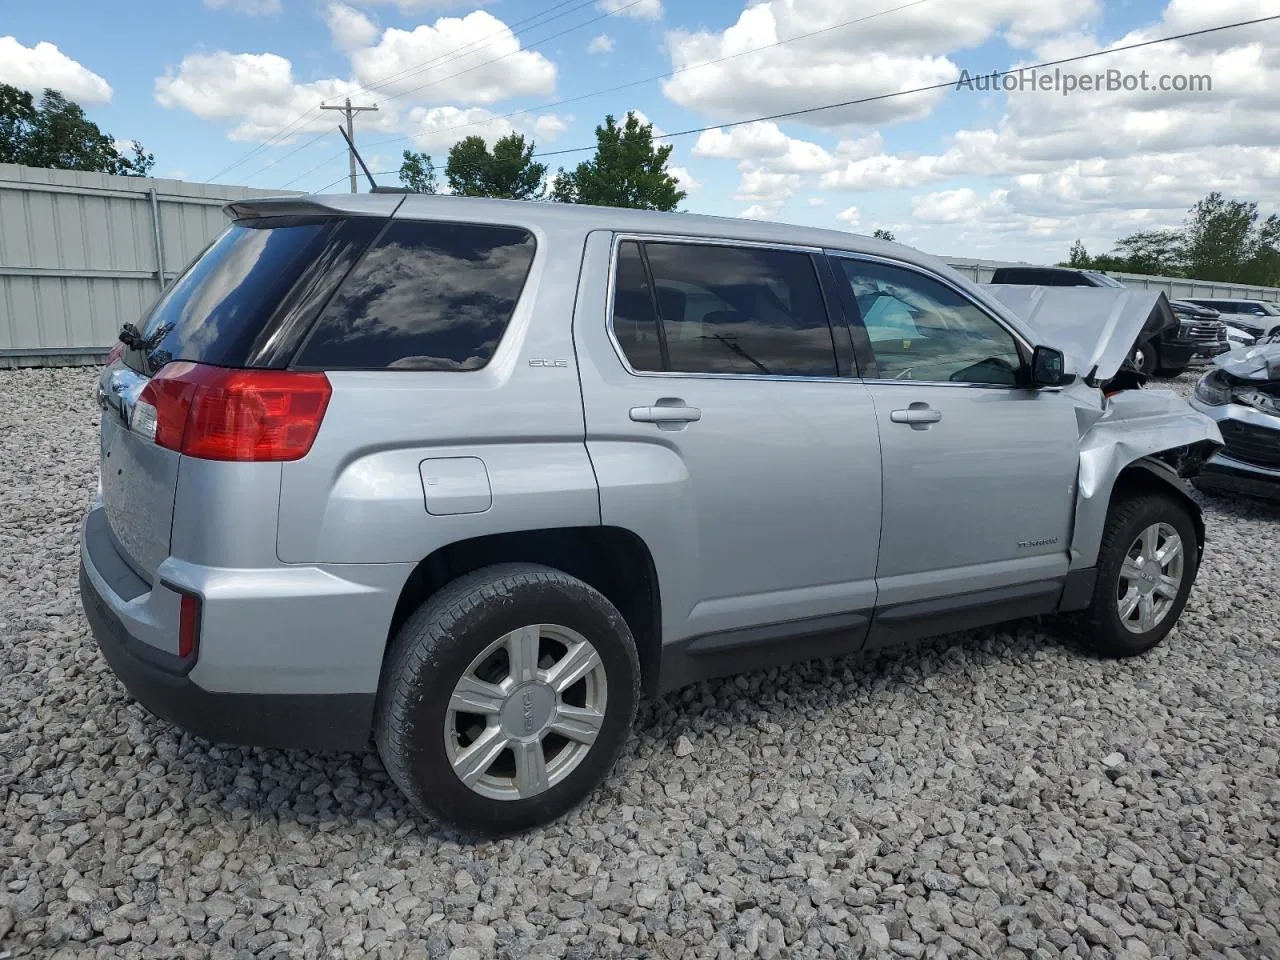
x,y
998,793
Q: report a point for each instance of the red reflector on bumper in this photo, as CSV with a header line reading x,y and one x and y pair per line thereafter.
x,y
188,625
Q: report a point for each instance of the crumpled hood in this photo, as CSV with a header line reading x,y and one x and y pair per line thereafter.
x,y
1261,363
1098,327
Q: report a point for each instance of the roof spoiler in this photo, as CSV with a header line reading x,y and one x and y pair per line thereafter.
x,y
302,205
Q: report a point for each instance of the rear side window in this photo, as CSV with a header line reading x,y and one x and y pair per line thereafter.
x,y
234,295
722,309
427,296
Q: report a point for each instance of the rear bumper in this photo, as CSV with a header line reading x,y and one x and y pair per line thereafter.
x,y
299,721
287,658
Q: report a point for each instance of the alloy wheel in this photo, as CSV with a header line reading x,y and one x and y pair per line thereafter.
x,y
526,712
1150,578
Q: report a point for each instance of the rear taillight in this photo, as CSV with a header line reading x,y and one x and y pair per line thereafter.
x,y
220,414
188,625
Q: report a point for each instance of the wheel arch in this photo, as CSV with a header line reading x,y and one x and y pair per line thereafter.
x,y
1157,472
613,560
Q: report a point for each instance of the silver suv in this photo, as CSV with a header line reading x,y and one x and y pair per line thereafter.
x,y
468,477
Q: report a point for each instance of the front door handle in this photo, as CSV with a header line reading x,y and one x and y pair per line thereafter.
x,y
918,415
668,410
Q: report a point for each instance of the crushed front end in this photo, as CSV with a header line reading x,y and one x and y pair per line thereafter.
x,y
1242,395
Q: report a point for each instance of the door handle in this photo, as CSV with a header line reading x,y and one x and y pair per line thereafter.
x,y
668,410
918,415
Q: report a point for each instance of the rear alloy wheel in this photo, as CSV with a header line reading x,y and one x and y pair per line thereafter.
x,y
506,697
1146,567
514,729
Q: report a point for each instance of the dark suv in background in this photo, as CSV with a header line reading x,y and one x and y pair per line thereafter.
x,y
1169,343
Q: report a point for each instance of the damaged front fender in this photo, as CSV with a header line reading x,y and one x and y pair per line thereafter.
x,y
1152,431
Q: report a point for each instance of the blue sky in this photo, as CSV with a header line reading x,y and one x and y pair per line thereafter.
x,y
228,89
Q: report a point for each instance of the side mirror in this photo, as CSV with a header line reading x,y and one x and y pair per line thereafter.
x,y
1048,368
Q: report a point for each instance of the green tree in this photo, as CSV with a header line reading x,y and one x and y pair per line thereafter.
x,y
58,135
1157,252
1078,257
417,172
1225,241
626,171
508,172
881,234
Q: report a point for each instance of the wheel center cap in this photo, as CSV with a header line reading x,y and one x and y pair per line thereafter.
x,y
528,710
1149,575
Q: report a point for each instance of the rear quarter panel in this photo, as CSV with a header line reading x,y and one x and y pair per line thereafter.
x,y
357,497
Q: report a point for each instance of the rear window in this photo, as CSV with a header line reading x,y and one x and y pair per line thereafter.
x,y
427,296
221,310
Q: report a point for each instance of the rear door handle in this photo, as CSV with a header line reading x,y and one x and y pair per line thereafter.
x,y
918,415
666,411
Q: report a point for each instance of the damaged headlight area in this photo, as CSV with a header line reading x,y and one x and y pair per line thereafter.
x,y
1219,387
1214,388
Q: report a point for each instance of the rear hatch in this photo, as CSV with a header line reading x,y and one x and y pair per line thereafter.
x,y
245,303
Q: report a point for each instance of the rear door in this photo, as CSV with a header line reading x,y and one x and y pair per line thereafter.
x,y
728,432
979,471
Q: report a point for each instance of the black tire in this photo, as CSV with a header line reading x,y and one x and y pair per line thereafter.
x,y
438,643
1102,629
1150,357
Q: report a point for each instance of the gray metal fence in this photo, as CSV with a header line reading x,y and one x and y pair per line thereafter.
x,y
82,253
1175,288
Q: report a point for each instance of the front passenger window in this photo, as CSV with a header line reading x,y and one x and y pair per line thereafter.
x,y
921,329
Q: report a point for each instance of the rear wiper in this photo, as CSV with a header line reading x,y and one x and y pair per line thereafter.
x,y
134,339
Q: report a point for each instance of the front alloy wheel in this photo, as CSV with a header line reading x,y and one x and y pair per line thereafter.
x,y
1147,564
1150,578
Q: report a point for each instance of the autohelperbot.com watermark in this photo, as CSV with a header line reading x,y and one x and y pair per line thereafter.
x,y
1066,83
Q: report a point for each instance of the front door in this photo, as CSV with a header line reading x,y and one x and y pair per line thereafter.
x,y
726,436
979,470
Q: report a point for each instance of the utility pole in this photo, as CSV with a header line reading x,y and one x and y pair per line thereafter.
x,y
350,112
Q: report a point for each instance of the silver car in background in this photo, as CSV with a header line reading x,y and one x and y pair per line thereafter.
x,y
467,477
1242,394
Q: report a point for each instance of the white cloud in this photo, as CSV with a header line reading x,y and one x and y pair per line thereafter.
x,y
349,28
254,8
45,66
760,211
260,95
850,216
436,129
493,66
257,90
955,206
765,145
600,44
766,186
420,6
817,201
685,179
635,9
878,55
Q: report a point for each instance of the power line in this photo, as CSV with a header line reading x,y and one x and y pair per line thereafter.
x,y
951,84
458,53
662,76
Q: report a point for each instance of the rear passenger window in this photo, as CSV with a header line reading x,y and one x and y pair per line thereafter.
x,y
427,296
724,309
